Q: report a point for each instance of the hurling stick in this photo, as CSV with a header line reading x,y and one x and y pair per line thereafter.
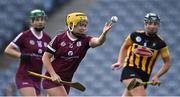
x,y
75,85
133,84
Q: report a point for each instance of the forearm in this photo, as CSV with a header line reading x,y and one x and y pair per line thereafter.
x,y
122,55
102,38
163,70
47,64
97,41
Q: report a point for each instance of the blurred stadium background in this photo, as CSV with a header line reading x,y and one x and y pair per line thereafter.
x,y
95,72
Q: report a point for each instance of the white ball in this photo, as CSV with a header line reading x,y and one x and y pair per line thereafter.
x,y
114,19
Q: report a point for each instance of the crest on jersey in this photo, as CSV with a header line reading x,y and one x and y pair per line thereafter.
x,y
70,53
39,43
79,44
32,42
63,44
138,39
45,44
40,51
145,44
154,44
70,45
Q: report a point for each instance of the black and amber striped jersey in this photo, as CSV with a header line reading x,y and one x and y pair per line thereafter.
x,y
144,50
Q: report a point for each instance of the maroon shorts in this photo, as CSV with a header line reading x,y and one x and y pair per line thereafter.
x,y
47,84
28,82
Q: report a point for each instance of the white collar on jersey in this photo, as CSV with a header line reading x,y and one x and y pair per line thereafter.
x,y
34,33
70,37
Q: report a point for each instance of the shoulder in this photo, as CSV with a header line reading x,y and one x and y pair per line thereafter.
x,y
86,38
140,31
45,34
137,33
161,40
58,37
61,34
26,33
160,37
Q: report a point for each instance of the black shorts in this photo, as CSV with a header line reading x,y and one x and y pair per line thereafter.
x,y
130,72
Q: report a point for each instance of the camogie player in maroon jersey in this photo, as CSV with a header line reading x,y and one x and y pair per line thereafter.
x,y
29,47
68,49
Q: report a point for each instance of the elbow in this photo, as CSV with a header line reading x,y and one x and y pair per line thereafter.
x,y
167,66
98,44
6,51
43,59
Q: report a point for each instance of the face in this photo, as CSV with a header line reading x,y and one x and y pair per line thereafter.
x,y
38,22
151,27
81,28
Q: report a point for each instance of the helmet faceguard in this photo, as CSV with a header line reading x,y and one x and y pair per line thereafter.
x,y
74,18
151,17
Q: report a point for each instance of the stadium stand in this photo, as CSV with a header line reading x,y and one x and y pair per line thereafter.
x,y
95,72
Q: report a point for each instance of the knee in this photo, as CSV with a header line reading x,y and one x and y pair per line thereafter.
x,y
139,91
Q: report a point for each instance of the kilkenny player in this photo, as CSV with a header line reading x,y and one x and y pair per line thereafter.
x,y
139,53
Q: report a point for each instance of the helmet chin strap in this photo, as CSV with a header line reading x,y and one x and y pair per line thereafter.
x,y
39,29
71,28
77,35
152,34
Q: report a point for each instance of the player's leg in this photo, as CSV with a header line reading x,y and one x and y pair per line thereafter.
x,y
127,76
27,91
57,91
27,87
138,91
126,93
54,89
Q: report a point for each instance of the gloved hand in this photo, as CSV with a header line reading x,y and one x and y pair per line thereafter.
x,y
26,57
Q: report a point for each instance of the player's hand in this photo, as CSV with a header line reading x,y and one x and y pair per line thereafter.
x,y
107,27
116,66
55,78
155,80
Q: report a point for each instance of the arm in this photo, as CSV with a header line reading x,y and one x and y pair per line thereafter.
x,y
122,53
47,64
97,41
12,51
165,67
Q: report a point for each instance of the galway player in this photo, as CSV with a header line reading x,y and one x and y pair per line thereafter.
x,y
29,47
68,49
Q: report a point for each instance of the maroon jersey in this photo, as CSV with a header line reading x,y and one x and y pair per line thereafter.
x,y
68,53
29,43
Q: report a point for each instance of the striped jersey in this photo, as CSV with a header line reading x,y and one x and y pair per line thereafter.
x,y
144,50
